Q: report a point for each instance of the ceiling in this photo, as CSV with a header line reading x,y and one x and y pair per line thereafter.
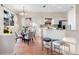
x,y
18,8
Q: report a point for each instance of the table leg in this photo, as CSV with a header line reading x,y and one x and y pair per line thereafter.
x,y
59,49
51,47
69,49
64,49
42,45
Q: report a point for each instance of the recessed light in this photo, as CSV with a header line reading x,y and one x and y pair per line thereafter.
x,y
2,5
44,6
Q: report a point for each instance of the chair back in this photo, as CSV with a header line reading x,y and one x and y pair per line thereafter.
x,y
30,35
16,34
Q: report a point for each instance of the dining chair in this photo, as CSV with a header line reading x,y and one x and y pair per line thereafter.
x,y
28,36
18,36
34,34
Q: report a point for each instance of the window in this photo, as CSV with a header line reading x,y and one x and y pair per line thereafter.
x,y
8,22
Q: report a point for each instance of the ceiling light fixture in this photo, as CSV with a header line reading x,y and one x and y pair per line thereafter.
x,y
23,12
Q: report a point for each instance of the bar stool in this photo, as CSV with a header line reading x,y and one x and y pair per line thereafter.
x,y
58,43
49,46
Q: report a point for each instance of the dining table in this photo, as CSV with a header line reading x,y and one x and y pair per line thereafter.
x,y
27,35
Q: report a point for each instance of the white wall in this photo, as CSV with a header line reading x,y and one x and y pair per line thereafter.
x,y
77,17
7,44
1,20
77,28
40,17
72,18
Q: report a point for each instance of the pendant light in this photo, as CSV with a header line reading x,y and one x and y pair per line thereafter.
x,y
23,12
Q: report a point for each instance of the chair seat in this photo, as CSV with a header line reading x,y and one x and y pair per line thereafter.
x,y
55,40
47,39
26,37
56,43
